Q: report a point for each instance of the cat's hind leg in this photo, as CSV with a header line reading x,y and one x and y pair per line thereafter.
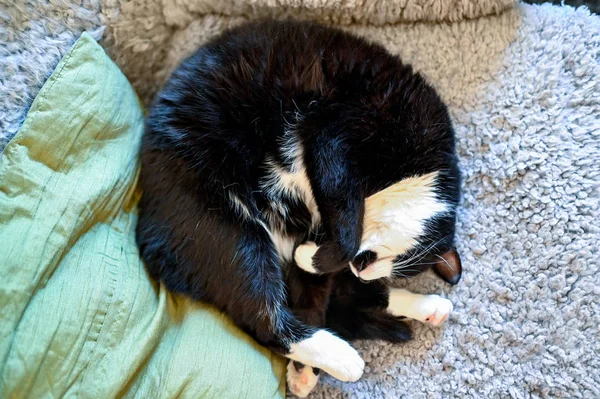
x,y
265,313
248,285
210,250
430,309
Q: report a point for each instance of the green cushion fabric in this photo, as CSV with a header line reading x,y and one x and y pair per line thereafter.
x,y
78,314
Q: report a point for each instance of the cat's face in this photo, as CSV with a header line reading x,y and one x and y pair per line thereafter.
x,y
409,227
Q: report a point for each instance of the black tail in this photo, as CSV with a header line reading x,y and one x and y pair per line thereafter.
x,y
358,311
369,323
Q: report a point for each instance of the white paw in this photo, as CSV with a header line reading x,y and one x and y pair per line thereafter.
x,y
349,367
304,256
329,353
434,310
302,382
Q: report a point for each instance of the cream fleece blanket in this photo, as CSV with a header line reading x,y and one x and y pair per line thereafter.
x,y
523,86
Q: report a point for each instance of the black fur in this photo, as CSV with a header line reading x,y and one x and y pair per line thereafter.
x,y
364,121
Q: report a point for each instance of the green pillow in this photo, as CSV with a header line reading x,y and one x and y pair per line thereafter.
x,y
78,313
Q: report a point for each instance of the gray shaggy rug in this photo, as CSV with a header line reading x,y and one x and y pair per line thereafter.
x,y
523,88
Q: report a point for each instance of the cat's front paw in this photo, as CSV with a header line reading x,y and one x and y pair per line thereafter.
x,y
301,379
331,354
304,256
435,310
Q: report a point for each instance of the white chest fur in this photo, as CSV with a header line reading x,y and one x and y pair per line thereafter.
x,y
292,183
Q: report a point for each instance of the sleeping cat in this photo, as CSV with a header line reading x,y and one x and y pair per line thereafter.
x,y
286,164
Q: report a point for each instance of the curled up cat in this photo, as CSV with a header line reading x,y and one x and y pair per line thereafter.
x,y
291,172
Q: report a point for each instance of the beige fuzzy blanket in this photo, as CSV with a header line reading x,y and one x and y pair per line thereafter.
x,y
523,86
148,38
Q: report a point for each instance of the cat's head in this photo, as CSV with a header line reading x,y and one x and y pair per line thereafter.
x,y
413,189
396,134
409,227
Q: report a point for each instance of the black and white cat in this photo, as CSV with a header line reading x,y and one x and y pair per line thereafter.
x,y
284,165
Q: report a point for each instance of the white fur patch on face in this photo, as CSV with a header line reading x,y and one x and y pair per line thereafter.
x,y
302,382
431,309
381,268
395,218
329,353
304,256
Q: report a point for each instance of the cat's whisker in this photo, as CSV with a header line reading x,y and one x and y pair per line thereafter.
x,y
404,270
420,255
415,264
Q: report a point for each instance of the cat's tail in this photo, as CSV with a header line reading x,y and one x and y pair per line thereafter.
x,y
369,323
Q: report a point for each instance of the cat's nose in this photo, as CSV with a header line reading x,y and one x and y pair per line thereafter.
x,y
358,265
363,260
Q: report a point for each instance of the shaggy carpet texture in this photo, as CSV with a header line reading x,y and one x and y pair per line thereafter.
x,y
34,36
593,5
523,88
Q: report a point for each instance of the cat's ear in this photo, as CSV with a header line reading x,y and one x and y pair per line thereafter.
x,y
448,267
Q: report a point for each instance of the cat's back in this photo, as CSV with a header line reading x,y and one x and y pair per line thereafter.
x,y
281,58
248,80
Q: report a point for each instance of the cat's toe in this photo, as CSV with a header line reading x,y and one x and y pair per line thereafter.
x,y
301,382
436,310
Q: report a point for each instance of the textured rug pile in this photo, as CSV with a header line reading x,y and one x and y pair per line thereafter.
x,y
523,86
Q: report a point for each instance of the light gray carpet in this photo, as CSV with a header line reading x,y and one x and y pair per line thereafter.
x,y
524,92
593,5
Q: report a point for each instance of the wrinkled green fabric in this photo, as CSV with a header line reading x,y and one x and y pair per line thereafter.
x,y
78,313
